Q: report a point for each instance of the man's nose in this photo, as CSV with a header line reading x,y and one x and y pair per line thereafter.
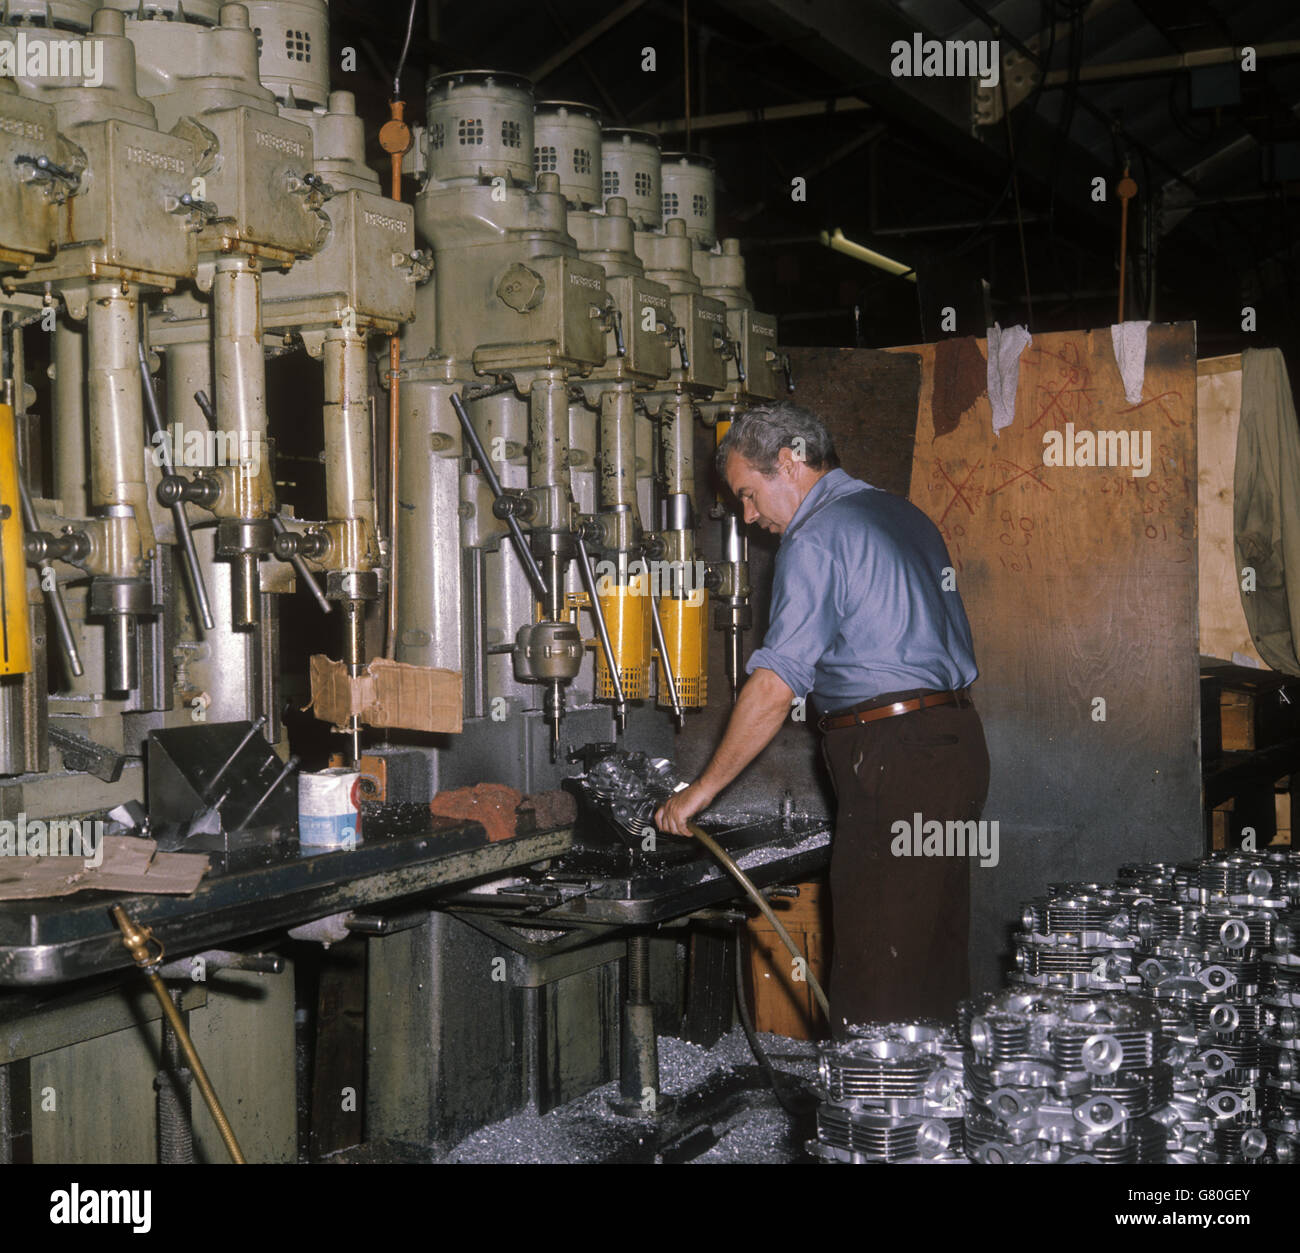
x,y
751,513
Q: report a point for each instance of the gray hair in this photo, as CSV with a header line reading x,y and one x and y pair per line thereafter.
x,y
760,433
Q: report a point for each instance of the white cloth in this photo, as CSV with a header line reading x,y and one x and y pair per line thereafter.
x,y
1005,348
1129,339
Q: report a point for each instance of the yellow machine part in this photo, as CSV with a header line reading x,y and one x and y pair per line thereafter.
x,y
627,618
15,626
686,633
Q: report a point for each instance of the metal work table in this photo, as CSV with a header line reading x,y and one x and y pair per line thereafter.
x,y
267,886
590,887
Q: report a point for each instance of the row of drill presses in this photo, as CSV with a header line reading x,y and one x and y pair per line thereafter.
x,y
515,367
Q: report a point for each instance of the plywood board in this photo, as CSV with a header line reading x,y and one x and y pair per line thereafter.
x,y
1218,415
1080,584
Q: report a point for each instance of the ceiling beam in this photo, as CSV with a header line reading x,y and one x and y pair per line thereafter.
x,y
850,41
850,37
766,113
612,111
588,36
1174,63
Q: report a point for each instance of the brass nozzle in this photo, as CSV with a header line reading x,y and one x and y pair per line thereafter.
x,y
137,939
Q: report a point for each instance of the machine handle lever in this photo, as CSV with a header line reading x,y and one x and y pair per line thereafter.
x,y
529,562
174,489
75,542
46,171
662,645
206,409
319,185
290,547
181,519
40,546
597,612
619,346
289,544
187,203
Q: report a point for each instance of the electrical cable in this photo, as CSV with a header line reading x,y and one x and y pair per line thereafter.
x,y
1020,219
1064,124
1029,108
686,67
406,47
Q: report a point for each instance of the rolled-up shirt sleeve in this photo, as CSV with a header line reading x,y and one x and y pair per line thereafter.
x,y
807,606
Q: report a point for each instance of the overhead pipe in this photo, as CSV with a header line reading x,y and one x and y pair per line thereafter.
x,y
835,240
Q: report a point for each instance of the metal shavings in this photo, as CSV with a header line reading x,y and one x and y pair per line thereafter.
x,y
588,1130
682,1065
763,1136
779,852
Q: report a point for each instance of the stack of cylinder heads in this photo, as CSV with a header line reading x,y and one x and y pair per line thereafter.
x,y
1053,1077
1153,1019
892,1094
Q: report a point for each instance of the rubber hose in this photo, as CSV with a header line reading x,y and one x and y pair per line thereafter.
x,y
742,1010
757,897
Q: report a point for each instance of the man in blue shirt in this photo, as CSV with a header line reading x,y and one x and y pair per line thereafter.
x,y
866,621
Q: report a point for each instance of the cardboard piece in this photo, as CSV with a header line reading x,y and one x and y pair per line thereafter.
x,y
387,694
129,864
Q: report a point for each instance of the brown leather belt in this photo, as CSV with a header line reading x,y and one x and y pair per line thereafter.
x,y
835,722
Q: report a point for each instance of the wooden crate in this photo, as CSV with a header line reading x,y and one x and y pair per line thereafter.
x,y
779,1003
1220,821
1237,722
1257,708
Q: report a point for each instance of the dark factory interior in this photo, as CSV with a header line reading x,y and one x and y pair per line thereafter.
x,y
650,582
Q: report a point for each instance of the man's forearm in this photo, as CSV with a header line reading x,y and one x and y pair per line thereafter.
x,y
761,708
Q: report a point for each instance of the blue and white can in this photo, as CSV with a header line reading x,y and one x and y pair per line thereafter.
x,y
329,808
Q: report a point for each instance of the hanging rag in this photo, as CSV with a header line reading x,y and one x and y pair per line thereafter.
x,y
1005,348
1129,339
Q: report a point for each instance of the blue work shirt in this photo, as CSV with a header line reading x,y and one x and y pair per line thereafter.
x,y
858,606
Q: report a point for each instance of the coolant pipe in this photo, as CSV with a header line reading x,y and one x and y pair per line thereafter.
x,y
137,940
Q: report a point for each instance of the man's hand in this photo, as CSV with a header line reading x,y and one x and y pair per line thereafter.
x,y
672,816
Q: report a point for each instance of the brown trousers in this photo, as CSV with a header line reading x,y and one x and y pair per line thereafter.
x,y
901,924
